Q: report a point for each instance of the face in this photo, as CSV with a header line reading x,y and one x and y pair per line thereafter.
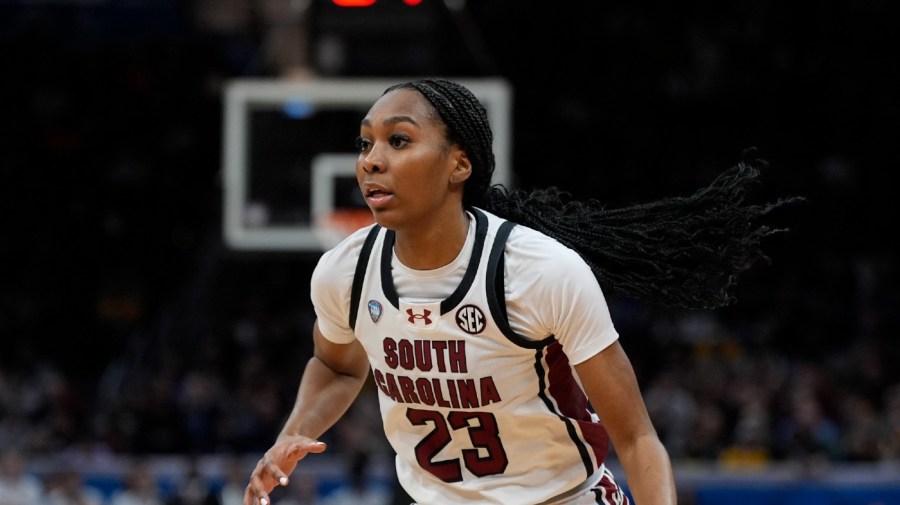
x,y
409,175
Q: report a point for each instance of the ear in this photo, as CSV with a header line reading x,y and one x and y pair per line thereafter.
x,y
462,169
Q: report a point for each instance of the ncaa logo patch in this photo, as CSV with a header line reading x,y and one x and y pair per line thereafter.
x,y
470,319
375,310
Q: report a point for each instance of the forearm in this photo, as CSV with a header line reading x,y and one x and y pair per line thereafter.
x,y
612,388
323,397
649,472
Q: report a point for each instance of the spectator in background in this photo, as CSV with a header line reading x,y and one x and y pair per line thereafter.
x,y
359,490
300,491
39,407
268,37
890,444
673,410
140,488
861,427
194,489
17,485
232,490
806,434
67,487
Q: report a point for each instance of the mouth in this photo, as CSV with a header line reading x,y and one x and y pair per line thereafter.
x,y
376,195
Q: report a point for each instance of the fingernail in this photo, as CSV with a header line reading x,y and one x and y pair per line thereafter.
x,y
263,502
283,481
320,443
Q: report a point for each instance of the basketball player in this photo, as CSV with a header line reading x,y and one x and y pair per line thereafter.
x,y
480,316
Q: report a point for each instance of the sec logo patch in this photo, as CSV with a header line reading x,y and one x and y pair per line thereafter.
x,y
470,319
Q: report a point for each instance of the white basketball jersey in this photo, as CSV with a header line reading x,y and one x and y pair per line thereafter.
x,y
475,412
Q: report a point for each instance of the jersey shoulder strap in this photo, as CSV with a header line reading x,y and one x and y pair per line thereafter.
x,y
359,274
495,271
496,295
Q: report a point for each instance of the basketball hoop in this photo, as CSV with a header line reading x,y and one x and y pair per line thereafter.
x,y
334,226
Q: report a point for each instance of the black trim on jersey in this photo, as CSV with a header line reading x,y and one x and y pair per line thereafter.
x,y
570,426
359,274
481,227
387,279
496,293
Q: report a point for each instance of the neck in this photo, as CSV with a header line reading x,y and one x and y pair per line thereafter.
x,y
435,246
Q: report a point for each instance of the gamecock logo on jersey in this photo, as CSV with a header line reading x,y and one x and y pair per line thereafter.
x,y
470,319
415,318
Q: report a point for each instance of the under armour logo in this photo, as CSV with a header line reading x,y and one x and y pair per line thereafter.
x,y
415,318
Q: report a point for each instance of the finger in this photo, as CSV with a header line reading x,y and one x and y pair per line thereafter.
x,y
261,483
316,447
281,469
251,497
272,473
266,479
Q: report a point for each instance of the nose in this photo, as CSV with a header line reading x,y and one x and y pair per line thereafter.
x,y
371,165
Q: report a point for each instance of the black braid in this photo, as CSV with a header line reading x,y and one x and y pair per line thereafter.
x,y
684,252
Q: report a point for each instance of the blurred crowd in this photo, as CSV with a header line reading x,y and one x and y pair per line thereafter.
x,y
129,329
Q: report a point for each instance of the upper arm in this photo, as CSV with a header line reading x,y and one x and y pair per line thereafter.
x,y
345,359
572,307
612,388
330,289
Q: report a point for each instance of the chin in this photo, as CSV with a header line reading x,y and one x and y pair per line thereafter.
x,y
384,219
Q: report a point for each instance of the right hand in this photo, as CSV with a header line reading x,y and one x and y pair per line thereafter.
x,y
275,466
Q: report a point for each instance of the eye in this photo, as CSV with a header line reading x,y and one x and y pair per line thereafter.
x,y
398,140
362,144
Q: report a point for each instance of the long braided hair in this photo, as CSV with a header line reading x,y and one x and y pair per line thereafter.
x,y
683,252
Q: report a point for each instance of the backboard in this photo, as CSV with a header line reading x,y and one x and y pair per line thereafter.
x,y
289,163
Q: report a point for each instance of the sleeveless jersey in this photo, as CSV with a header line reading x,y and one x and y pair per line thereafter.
x,y
475,412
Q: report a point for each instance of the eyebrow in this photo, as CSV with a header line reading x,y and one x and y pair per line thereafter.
x,y
391,121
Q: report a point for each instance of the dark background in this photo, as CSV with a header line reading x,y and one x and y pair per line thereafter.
x,y
119,301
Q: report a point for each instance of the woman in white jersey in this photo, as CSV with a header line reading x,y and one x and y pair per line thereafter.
x,y
479,314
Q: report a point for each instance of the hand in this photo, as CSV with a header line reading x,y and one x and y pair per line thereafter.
x,y
275,466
